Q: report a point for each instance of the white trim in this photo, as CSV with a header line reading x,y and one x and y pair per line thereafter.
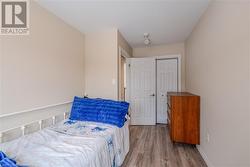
x,y
123,52
22,127
34,109
204,156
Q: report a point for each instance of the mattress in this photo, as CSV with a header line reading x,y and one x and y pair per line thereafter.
x,y
71,144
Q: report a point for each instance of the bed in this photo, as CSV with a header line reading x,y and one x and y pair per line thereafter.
x,y
71,143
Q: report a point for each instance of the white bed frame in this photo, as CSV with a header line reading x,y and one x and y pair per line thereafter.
x,y
40,122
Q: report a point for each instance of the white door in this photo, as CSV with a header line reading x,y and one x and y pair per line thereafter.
x,y
142,91
167,80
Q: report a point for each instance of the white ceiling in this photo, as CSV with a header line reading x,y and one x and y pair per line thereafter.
x,y
168,21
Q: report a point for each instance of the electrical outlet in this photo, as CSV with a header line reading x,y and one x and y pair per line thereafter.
x,y
208,137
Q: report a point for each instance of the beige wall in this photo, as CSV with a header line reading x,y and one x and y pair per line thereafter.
x,y
218,69
162,50
43,68
101,64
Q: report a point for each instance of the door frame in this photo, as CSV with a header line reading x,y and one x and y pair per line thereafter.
x,y
123,53
160,57
179,72
179,63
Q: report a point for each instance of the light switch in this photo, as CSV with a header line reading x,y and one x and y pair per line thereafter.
x,y
113,81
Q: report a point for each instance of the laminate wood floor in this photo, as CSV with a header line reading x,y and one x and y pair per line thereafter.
x,y
150,146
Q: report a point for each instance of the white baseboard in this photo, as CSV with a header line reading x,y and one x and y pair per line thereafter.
x,y
204,156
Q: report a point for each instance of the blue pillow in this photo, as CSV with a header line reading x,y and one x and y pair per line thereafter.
x,y
99,110
6,161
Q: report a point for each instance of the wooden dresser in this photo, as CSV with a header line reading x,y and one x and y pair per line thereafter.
x,y
184,117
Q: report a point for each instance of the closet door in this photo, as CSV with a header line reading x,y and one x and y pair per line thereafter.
x,y
142,91
167,80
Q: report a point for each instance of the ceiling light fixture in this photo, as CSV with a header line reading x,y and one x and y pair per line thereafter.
x,y
147,41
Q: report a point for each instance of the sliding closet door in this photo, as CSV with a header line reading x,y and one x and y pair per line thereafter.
x,y
167,80
142,91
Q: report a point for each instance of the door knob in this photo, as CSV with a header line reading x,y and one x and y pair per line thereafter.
x,y
152,94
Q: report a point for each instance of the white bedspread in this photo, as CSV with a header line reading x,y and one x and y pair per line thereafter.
x,y
71,144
